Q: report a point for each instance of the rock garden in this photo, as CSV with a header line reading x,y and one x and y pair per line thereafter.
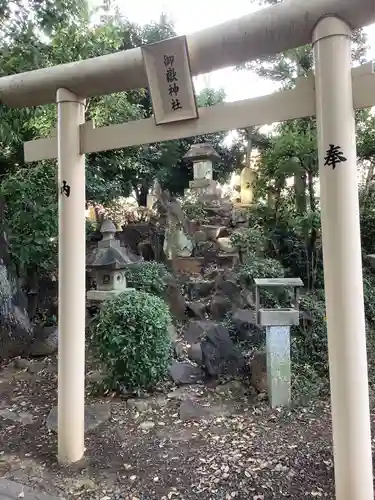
x,y
176,383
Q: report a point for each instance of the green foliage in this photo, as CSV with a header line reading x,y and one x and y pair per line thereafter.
x,y
367,215
31,216
309,339
293,239
194,208
132,340
259,267
151,277
288,207
307,383
365,129
122,214
90,227
40,35
44,319
369,295
248,242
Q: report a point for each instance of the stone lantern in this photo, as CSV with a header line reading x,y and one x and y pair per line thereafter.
x,y
108,263
203,156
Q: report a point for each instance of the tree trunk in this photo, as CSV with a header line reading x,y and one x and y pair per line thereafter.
x,y
312,200
4,250
141,192
270,198
32,292
300,193
249,146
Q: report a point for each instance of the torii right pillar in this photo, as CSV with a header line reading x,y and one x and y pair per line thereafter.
x,y
342,261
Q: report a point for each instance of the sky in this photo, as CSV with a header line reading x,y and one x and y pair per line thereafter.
x,y
194,15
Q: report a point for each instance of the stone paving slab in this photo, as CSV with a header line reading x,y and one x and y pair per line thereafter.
x,y
10,490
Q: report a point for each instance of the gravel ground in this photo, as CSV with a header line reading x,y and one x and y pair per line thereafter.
x,y
190,443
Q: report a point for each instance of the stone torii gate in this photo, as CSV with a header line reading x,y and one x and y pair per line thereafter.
x,y
332,96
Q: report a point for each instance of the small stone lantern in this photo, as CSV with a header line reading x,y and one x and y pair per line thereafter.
x,y
108,263
203,156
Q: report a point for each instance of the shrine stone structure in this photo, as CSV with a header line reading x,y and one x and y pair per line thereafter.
x,y
107,264
203,156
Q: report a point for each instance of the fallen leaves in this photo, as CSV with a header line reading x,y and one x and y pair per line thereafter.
x,y
147,452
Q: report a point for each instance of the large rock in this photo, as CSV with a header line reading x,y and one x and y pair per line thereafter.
x,y
175,300
16,331
219,356
95,415
196,330
227,286
192,410
200,236
196,309
185,373
132,235
45,342
220,305
198,289
211,231
188,265
225,245
245,322
9,490
258,372
204,247
194,353
21,417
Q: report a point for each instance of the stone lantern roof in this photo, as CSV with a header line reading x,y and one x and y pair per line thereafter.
x,y
109,254
201,152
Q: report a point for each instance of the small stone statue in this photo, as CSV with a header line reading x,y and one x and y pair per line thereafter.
x,y
177,241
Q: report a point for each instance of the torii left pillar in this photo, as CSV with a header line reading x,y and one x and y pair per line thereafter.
x,y
72,286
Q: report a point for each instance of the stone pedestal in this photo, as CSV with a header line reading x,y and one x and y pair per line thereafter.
x,y
204,188
278,365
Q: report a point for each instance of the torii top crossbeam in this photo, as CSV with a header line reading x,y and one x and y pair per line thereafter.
x,y
265,32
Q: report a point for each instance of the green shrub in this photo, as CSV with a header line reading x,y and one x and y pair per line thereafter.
x,y
30,195
150,277
90,227
194,208
369,294
132,340
309,339
258,267
307,383
248,242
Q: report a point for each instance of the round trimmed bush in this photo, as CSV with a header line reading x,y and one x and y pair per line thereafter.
x,y
132,340
148,276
